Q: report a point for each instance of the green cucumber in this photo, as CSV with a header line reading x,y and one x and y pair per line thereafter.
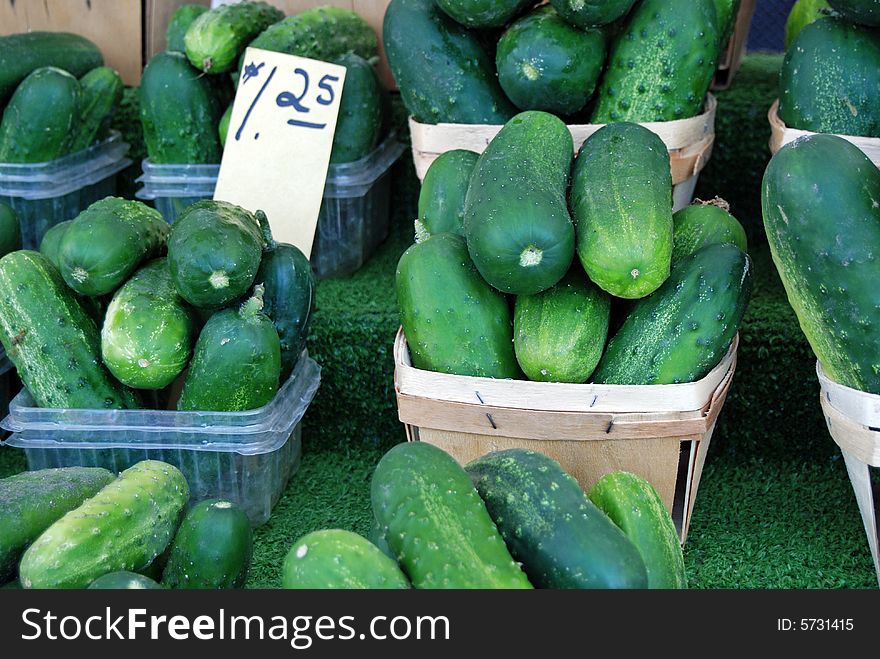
x,y
149,331
822,220
588,13
865,12
360,111
52,341
41,119
100,94
560,333
802,14
546,64
478,14
214,252
180,21
436,523
635,507
212,548
682,331
621,200
377,537
123,527
107,242
123,580
34,500
726,12
705,223
443,72
830,79
223,126
216,38
662,63
340,560
21,54
179,113
551,527
441,199
454,321
50,245
519,233
10,230
288,297
236,364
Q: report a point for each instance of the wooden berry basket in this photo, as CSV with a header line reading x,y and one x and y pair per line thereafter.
x,y
853,419
736,47
689,142
660,432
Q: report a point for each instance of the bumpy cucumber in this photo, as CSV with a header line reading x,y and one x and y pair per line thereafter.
x,y
705,223
10,230
212,548
180,21
586,13
437,524
865,12
453,320
726,12
339,559
123,527
223,126
51,339
443,192
50,245
124,580
100,94
360,111
482,13
149,331
33,500
106,243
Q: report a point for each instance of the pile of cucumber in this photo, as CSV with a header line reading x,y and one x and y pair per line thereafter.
x,y
185,113
511,519
118,307
478,62
79,527
56,96
525,263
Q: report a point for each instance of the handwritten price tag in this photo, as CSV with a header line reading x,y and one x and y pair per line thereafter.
x,y
280,137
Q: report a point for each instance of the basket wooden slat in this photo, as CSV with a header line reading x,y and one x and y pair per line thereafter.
x,y
732,57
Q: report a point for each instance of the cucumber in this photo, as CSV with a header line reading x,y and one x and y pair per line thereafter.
x,y
802,14
519,233
705,223
216,38
149,331
829,268
288,297
443,72
52,341
441,199
107,242
546,64
726,12
123,580
436,523
560,333
123,527
22,54
212,548
236,364
100,94
180,21
865,12
377,537
588,13
551,527
482,13
223,126
41,119
10,230
830,79
454,321
340,560
214,252
179,113
360,111
682,331
621,200
50,245
33,500
661,65
635,507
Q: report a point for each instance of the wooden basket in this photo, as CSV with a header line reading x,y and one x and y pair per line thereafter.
x,y
736,47
853,419
781,135
689,142
659,432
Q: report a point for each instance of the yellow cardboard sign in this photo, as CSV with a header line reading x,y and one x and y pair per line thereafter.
x,y
279,141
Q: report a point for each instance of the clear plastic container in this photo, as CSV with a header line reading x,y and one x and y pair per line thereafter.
x,y
7,384
354,218
44,194
245,457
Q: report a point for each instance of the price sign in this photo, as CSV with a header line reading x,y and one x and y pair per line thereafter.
x,y
279,141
